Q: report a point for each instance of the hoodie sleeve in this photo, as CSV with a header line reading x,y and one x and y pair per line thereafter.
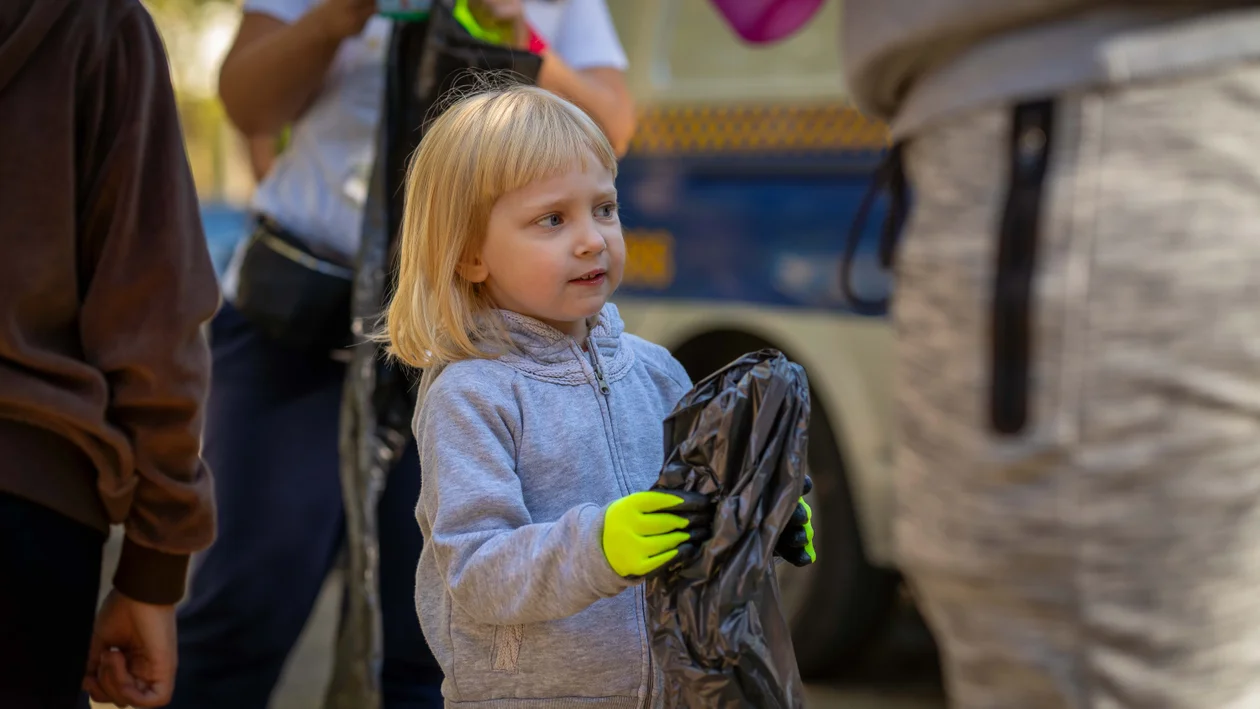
x,y
501,567
149,286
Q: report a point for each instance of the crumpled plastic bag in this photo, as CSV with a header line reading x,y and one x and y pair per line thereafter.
x,y
717,628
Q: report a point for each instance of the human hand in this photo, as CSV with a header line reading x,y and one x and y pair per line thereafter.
x,y
340,19
506,14
644,531
133,655
796,543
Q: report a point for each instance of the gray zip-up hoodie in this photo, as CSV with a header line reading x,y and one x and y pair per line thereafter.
x,y
913,62
520,456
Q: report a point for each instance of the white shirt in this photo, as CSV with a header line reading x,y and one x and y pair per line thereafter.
x,y
318,185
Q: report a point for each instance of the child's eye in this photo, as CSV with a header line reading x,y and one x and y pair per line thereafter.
x,y
606,211
550,221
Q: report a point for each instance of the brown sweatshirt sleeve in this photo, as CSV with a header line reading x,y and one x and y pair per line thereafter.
x,y
150,287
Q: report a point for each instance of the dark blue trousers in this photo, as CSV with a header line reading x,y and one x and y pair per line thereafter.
x,y
50,572
271,441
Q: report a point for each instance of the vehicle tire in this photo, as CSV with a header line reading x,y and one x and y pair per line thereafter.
x,y
837,605
846,600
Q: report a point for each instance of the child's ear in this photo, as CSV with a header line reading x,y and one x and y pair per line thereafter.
x,y
473,269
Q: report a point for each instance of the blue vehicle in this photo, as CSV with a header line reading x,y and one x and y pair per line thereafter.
x,y
737,197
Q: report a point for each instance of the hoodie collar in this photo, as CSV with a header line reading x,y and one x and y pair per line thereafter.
x,y
538,340
543,352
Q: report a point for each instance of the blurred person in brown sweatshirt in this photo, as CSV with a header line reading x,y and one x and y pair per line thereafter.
x,y
1077,369
105,282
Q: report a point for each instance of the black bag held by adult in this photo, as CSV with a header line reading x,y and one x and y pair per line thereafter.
x,y
717,628
291,295
425,60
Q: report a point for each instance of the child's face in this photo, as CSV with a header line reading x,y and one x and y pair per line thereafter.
x,y
553,249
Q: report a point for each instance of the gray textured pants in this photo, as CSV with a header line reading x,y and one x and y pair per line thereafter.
x,y
1107,554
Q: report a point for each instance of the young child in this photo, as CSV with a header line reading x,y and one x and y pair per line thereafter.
x,y
540,420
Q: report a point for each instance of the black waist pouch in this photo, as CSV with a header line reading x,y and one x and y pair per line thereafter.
x,y
292,296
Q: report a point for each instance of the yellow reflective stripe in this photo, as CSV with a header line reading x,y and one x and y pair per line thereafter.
x,y
704,129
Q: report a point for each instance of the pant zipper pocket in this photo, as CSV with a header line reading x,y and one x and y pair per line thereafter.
x,y
1013,288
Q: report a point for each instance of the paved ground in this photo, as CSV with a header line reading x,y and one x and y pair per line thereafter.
x,y
900,674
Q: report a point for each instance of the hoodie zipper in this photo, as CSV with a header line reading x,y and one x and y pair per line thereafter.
x,y
640,592
599,369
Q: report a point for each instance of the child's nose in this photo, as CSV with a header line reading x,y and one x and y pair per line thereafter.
x,y
591,241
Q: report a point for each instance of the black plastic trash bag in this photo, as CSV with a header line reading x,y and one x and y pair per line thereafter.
x,y
424,62
717,628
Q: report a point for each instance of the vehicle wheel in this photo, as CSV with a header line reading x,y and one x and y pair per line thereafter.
x,y
837,605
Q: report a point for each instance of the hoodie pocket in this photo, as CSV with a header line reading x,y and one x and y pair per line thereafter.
x,y
1013,288
505,653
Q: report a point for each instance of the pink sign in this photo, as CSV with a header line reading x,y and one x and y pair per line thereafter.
x,y
765,21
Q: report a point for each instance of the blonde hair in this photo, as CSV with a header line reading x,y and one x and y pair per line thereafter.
x,y
481,147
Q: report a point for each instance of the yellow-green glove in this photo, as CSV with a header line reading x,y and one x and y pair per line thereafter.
x,y
796,543
644,531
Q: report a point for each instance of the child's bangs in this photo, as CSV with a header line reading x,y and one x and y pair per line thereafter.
x,y
534,135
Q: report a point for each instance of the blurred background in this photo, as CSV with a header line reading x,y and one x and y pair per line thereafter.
x,y
739,191
198,34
